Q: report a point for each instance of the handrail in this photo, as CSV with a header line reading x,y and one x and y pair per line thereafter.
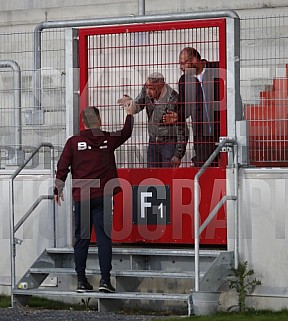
x,y
31,156
199,229
94,22
215,210
31,209
13,228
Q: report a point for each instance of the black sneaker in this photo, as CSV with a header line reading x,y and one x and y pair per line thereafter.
x,y
106,286
84,286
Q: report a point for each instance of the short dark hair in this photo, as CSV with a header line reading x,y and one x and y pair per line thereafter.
x,y
90,116
191,53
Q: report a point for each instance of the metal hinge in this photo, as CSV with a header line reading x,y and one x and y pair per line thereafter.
x,y
229,146
17,241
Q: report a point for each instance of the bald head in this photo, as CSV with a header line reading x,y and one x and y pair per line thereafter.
x,y
190,58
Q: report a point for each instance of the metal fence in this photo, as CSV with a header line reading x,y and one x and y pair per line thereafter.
x,y
264,83
120,60
19,138
263,89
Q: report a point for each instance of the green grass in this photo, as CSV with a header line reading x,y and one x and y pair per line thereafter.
x,y
42,303
5,301
247,316
36,302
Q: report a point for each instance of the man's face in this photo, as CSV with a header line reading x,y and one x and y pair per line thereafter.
x,y
153,90
185,62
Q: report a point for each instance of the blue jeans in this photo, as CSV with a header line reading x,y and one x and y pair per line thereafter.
x,y
87,214
159,154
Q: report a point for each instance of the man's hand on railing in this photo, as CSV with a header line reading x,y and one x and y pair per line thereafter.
x,y
59,198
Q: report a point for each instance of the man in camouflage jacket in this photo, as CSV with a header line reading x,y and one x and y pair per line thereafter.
x,y
167,142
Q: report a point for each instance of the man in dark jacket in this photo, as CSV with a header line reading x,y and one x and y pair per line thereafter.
x,y
90,158
199,99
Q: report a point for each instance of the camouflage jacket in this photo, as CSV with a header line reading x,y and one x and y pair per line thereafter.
x,y
158,131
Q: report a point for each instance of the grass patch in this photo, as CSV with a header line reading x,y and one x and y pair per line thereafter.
x,y
5,301
244,316
43,303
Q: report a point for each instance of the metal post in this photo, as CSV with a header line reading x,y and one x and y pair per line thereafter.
x,y
141,7
12,213
72,97
12,240
236,209
37,66
224,142
17,105
196,231
52,150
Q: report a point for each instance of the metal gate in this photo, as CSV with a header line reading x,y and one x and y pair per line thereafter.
x,y
156,204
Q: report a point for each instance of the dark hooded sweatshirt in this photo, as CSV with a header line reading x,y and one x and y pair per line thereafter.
x,y
90,157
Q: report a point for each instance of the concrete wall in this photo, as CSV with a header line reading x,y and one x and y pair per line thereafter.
x,y
264,233
27,13
263,229
37,232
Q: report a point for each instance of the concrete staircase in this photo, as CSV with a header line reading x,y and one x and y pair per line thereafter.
x,y
146,278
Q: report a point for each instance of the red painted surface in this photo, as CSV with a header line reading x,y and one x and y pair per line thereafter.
x,y
180,228
268,130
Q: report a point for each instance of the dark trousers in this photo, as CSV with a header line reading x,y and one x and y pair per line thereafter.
x,y
159,154
98,213
204,147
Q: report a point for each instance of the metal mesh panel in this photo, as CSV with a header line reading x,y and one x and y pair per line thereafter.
x,y
36,126
122,65
264,88
119,63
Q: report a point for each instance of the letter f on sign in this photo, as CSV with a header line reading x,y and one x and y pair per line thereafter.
x,y
145,204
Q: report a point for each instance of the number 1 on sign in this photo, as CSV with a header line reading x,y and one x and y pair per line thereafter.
x,y
160,207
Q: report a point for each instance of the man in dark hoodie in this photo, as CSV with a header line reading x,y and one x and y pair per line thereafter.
x,y
90,158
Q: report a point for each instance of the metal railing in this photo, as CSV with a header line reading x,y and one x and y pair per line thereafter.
x,y
16,105
114,21
199,229
13,228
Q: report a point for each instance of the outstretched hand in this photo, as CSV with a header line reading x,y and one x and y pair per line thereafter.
x,y
124,100
128,103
